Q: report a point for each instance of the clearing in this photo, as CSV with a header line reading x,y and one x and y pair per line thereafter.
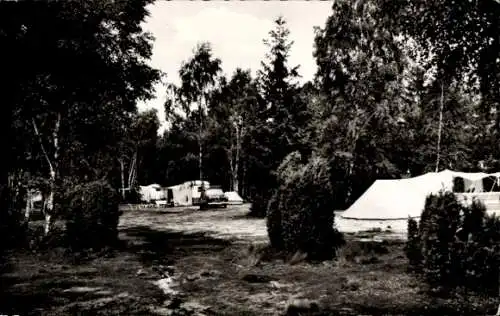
x,y
190,262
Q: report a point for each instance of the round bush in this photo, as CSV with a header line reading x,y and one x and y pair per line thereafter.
x,y
456,245
302,210
92,215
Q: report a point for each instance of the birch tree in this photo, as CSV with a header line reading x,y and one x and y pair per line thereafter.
x,y
198,79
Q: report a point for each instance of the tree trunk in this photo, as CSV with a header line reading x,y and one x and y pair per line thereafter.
x,y
122,171
231,166
50,201
438,156
200,158
53,176
132,171
243,186
200,153
29,204
236,186
49,208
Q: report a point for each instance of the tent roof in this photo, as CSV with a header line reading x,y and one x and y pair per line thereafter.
x,y
403,198
388,199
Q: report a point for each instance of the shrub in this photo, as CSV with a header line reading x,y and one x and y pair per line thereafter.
x,y
92,216
412,248
259,205
273,222
133,196
301,214
456,245
12,225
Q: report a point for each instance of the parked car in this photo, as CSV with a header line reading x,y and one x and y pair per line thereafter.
x,y
213,197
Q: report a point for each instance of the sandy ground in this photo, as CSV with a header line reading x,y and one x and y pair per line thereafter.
x,y
232,223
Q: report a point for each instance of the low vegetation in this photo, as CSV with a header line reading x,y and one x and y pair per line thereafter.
x,y
300,214
455,245
92,216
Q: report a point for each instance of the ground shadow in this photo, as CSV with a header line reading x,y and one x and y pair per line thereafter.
x,y
37,284
167,246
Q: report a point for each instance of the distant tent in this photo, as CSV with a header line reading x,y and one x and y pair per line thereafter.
x,y
181,194
152,192
233,197
187,193
403,198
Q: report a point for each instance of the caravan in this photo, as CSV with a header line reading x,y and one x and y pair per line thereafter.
x,y
186,194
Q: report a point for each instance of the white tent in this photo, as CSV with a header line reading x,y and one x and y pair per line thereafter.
x,y
389,199
151,192
187,193
181,195
403,198
233,197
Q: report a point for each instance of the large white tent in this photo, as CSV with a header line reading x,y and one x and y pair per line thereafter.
x,y
403,198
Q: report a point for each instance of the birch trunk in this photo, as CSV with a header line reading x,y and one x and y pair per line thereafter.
x,y
48,208
53,176
243,182
29,205
236,186
122,178
200,128
231,164
132,170
438,156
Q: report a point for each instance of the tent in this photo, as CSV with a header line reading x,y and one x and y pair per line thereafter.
x,y
233,197
181,195
187,193
388,199
403,198
151,192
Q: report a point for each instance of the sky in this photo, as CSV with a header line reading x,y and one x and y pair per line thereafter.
x,y
235,29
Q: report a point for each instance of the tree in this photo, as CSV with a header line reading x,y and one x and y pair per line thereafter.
x,y
145,134
361,74
138,151
76,94
231,113
463,38
176,151
283,117
198,78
